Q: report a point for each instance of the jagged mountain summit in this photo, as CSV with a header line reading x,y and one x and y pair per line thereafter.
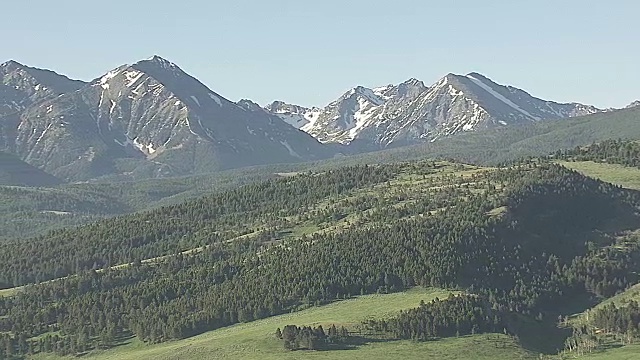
x,y
149,119
297,116
411,112
22,86
633,104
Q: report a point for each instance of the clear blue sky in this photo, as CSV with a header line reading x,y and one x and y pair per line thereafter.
x,y
310,51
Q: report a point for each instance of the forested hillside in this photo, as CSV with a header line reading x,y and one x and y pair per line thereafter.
x,y
485,147
526,240
510,144
28,211
623,152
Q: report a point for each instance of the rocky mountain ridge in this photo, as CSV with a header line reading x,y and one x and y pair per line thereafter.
x,y
22,86
149,119
411,112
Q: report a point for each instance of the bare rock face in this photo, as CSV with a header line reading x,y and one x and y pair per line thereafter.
x,y
411,112
22,86
633,104
149,119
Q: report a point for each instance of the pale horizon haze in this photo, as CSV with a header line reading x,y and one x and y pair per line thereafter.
x,y
310,52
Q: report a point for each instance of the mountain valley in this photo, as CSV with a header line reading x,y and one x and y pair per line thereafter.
x,y
145,216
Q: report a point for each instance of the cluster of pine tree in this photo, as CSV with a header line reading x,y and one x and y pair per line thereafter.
x,y
623,320
308,338
623,152
621,323
454,316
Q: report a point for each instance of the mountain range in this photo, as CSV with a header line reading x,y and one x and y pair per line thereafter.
x,y
151,119
409,112
23,86
633,104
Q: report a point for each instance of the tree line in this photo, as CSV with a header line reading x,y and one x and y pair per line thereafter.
x,y
623,152
529,258
455,316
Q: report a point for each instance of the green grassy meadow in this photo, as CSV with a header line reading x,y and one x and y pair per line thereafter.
x,y
629,352
256,340
624,176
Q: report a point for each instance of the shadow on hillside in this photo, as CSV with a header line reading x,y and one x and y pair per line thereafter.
x,y
354,343
542,336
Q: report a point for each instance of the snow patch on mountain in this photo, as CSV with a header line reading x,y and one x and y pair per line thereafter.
x,y
498,96
366,109
382,90
216,99
105,79
43,133
132,77
633,104
290,149
297,116
195,99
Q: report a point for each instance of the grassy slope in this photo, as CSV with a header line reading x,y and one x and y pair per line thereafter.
x,y
633,293
629,352
614,351
255,340
9,292
624,176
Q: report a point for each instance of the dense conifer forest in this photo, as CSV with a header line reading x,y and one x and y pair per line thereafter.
x,y
623,152
522,240
455,316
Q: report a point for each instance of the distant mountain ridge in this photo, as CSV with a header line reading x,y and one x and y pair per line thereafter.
x,y
22,86
411,112
633,104
294,115
149,119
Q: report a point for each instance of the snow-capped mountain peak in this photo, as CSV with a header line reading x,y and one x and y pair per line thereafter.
x,y
410,111
22,86
343,118
297,116
157,116
11,64
633,104
359,92
159,61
